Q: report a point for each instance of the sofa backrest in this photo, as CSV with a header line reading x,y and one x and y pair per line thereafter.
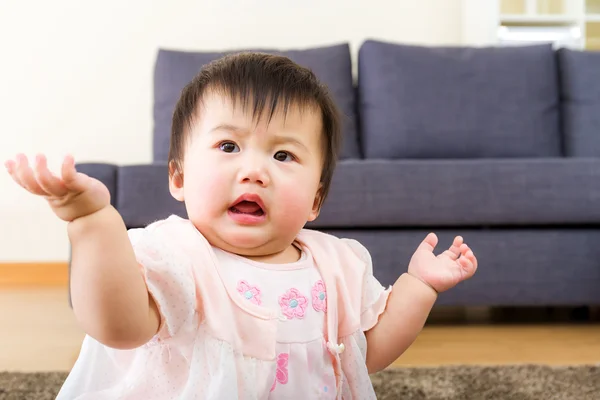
x,y
174,69
435,102
458,102
580,90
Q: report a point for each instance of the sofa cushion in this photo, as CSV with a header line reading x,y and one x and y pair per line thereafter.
x,y
458,102
410,193
475,192
580,90
331,64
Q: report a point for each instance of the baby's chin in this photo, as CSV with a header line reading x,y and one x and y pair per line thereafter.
x,y
249,242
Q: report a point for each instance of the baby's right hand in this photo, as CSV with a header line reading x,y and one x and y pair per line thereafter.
x,y
71,196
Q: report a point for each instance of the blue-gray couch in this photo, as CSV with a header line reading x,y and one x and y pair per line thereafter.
x,y
500,145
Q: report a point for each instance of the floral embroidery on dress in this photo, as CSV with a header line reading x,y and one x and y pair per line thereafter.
x,y
281,375
319,296
251,293
293,304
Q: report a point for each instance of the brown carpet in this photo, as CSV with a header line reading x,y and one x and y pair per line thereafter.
x,y
481,383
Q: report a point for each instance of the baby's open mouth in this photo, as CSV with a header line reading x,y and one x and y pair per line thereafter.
x,y
247,207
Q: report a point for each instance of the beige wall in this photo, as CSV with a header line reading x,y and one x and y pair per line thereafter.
x,y
76,76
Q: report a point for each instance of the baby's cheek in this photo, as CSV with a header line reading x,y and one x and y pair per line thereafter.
x,y
206,192
212,185
295,203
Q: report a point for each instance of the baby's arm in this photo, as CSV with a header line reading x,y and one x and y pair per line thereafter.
x,y
110,298
407,310
413,296
109,295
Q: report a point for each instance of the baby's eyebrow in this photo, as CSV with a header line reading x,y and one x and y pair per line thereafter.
x,y
281,139
228,127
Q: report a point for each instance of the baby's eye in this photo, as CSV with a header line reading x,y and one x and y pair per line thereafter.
x,y
283,156
229,147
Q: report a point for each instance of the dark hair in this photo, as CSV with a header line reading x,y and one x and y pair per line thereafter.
x,y
264,82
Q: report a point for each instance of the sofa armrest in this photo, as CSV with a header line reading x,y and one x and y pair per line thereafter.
x,y
143,195
140,193
105,173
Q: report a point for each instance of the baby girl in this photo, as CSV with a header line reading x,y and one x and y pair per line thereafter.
x,y
239,300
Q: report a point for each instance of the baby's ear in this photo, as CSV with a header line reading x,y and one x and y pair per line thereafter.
x,y
175,181
316,208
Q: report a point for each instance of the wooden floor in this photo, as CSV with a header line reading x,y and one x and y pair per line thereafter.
x,y
493,345
38,332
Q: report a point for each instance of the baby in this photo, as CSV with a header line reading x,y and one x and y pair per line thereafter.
x,y
239,301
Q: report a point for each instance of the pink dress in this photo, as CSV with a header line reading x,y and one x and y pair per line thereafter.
x,y
233,328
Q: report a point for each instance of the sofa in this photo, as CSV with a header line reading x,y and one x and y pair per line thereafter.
x,y
498,144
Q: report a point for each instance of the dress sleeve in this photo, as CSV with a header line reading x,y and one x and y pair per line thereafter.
x,y
169,279
374,295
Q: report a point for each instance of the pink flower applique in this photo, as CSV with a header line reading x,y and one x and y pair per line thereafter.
x,y
281,375
251,293
293,304
319,296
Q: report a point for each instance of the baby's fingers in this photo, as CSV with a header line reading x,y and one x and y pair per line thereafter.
x,y
50,183
73,180
473,259
468,261
10,166
429,243
454,251
22,173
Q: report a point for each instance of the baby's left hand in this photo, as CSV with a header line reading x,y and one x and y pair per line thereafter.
x,y
444,271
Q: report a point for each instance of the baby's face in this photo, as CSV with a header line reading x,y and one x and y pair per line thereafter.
x,y
250,186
